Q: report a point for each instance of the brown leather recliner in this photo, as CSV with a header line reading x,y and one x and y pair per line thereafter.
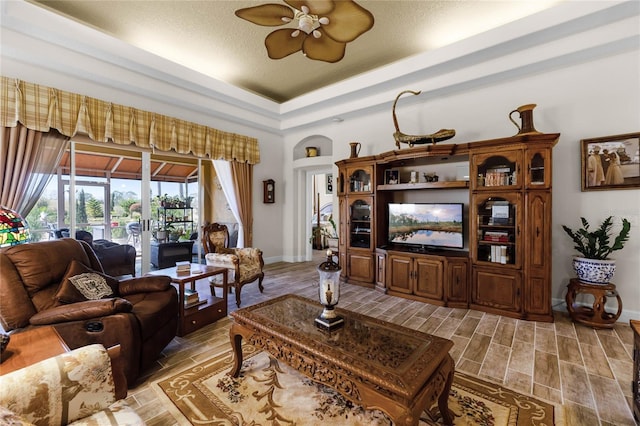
x,y
141,316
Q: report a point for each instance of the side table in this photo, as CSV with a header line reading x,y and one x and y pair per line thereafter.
x,y
31,346
595,315
214,307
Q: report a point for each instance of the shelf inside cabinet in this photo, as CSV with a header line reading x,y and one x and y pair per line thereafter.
x,y
452,184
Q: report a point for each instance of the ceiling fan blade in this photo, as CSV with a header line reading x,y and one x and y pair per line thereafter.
x,y
269,15
323,49
280,43
316,7
348,21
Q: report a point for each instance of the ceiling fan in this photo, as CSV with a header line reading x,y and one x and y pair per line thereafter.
x,y
322,28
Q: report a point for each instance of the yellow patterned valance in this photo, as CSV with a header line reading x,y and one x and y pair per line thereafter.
x,y
41,108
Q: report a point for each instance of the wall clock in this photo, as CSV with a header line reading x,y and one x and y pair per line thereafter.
x,y
269,191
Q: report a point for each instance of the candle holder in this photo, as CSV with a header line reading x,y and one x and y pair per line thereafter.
x,y
329,292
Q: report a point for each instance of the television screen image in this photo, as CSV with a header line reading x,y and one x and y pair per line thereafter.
x,y
427,224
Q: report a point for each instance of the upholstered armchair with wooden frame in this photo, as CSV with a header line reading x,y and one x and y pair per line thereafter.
x,y
246,264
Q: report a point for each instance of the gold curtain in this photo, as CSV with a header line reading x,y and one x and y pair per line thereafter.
x,y
41,108
242,175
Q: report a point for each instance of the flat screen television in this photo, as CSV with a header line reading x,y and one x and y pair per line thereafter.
x,y
426,225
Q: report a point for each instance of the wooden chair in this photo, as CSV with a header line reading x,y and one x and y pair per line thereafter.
x,y
214,236
246,264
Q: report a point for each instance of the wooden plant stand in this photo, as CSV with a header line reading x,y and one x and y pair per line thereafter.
x,y
595,315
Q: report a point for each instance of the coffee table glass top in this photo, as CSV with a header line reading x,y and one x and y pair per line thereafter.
x,y
365,340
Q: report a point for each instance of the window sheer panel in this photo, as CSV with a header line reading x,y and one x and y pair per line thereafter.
x,y
41,108
223,171
28,160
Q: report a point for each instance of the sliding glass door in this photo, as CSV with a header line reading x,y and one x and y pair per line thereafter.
x,y
115,195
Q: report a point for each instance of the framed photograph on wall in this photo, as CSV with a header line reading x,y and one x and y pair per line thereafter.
x,y
391,176
329,183
611,162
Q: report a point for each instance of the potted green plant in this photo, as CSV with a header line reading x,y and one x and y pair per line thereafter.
x,y
321,233
594,266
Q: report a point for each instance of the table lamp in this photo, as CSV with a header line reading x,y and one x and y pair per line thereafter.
x,y
329,289
14,229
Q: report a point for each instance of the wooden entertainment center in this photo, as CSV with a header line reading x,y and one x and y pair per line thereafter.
x,y
505,185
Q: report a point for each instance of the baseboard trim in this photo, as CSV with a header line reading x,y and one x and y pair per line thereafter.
x,y
625,316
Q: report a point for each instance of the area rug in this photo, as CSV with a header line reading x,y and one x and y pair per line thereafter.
x,y
270,393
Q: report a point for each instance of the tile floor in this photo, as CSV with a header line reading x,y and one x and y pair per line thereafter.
x,y
587,371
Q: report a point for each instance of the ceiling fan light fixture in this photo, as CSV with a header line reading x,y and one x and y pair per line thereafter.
x,y
332,24
306,22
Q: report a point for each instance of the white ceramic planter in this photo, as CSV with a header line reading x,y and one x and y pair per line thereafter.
x,y
594,271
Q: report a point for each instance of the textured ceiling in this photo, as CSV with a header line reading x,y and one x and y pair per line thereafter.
x,y
207,37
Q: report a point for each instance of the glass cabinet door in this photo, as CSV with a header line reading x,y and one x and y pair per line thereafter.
x,y
496,222
360,223
538,172
360,179
493,171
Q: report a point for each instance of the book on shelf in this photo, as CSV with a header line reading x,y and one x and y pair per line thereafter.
x,y
498,236
499,254
194,304
190,295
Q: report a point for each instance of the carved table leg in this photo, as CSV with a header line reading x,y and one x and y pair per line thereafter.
x,y
235,335
443,400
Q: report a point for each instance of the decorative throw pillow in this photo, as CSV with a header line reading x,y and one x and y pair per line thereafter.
x,y
81,283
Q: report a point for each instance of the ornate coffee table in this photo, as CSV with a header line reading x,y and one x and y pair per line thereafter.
x,y
371,362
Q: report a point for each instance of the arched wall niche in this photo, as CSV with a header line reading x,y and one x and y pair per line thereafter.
x,y
323,144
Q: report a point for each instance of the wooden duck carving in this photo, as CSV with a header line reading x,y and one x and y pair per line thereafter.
x,y
440,135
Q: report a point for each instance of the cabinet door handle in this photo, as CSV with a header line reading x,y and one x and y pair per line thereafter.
x,y
537,231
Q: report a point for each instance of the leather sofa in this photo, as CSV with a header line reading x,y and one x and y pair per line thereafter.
x,y
140,314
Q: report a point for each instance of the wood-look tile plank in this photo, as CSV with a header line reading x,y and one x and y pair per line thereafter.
x,y
545,370
577,415
468,366
586,335
522,357
496,361
467,327
564,326
477,348
546,340
447,328
569,350
547,393
525,331
613,347
518,381
575,384
488,324
595,360
459,345
431,325
504,333
610,401
623,372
